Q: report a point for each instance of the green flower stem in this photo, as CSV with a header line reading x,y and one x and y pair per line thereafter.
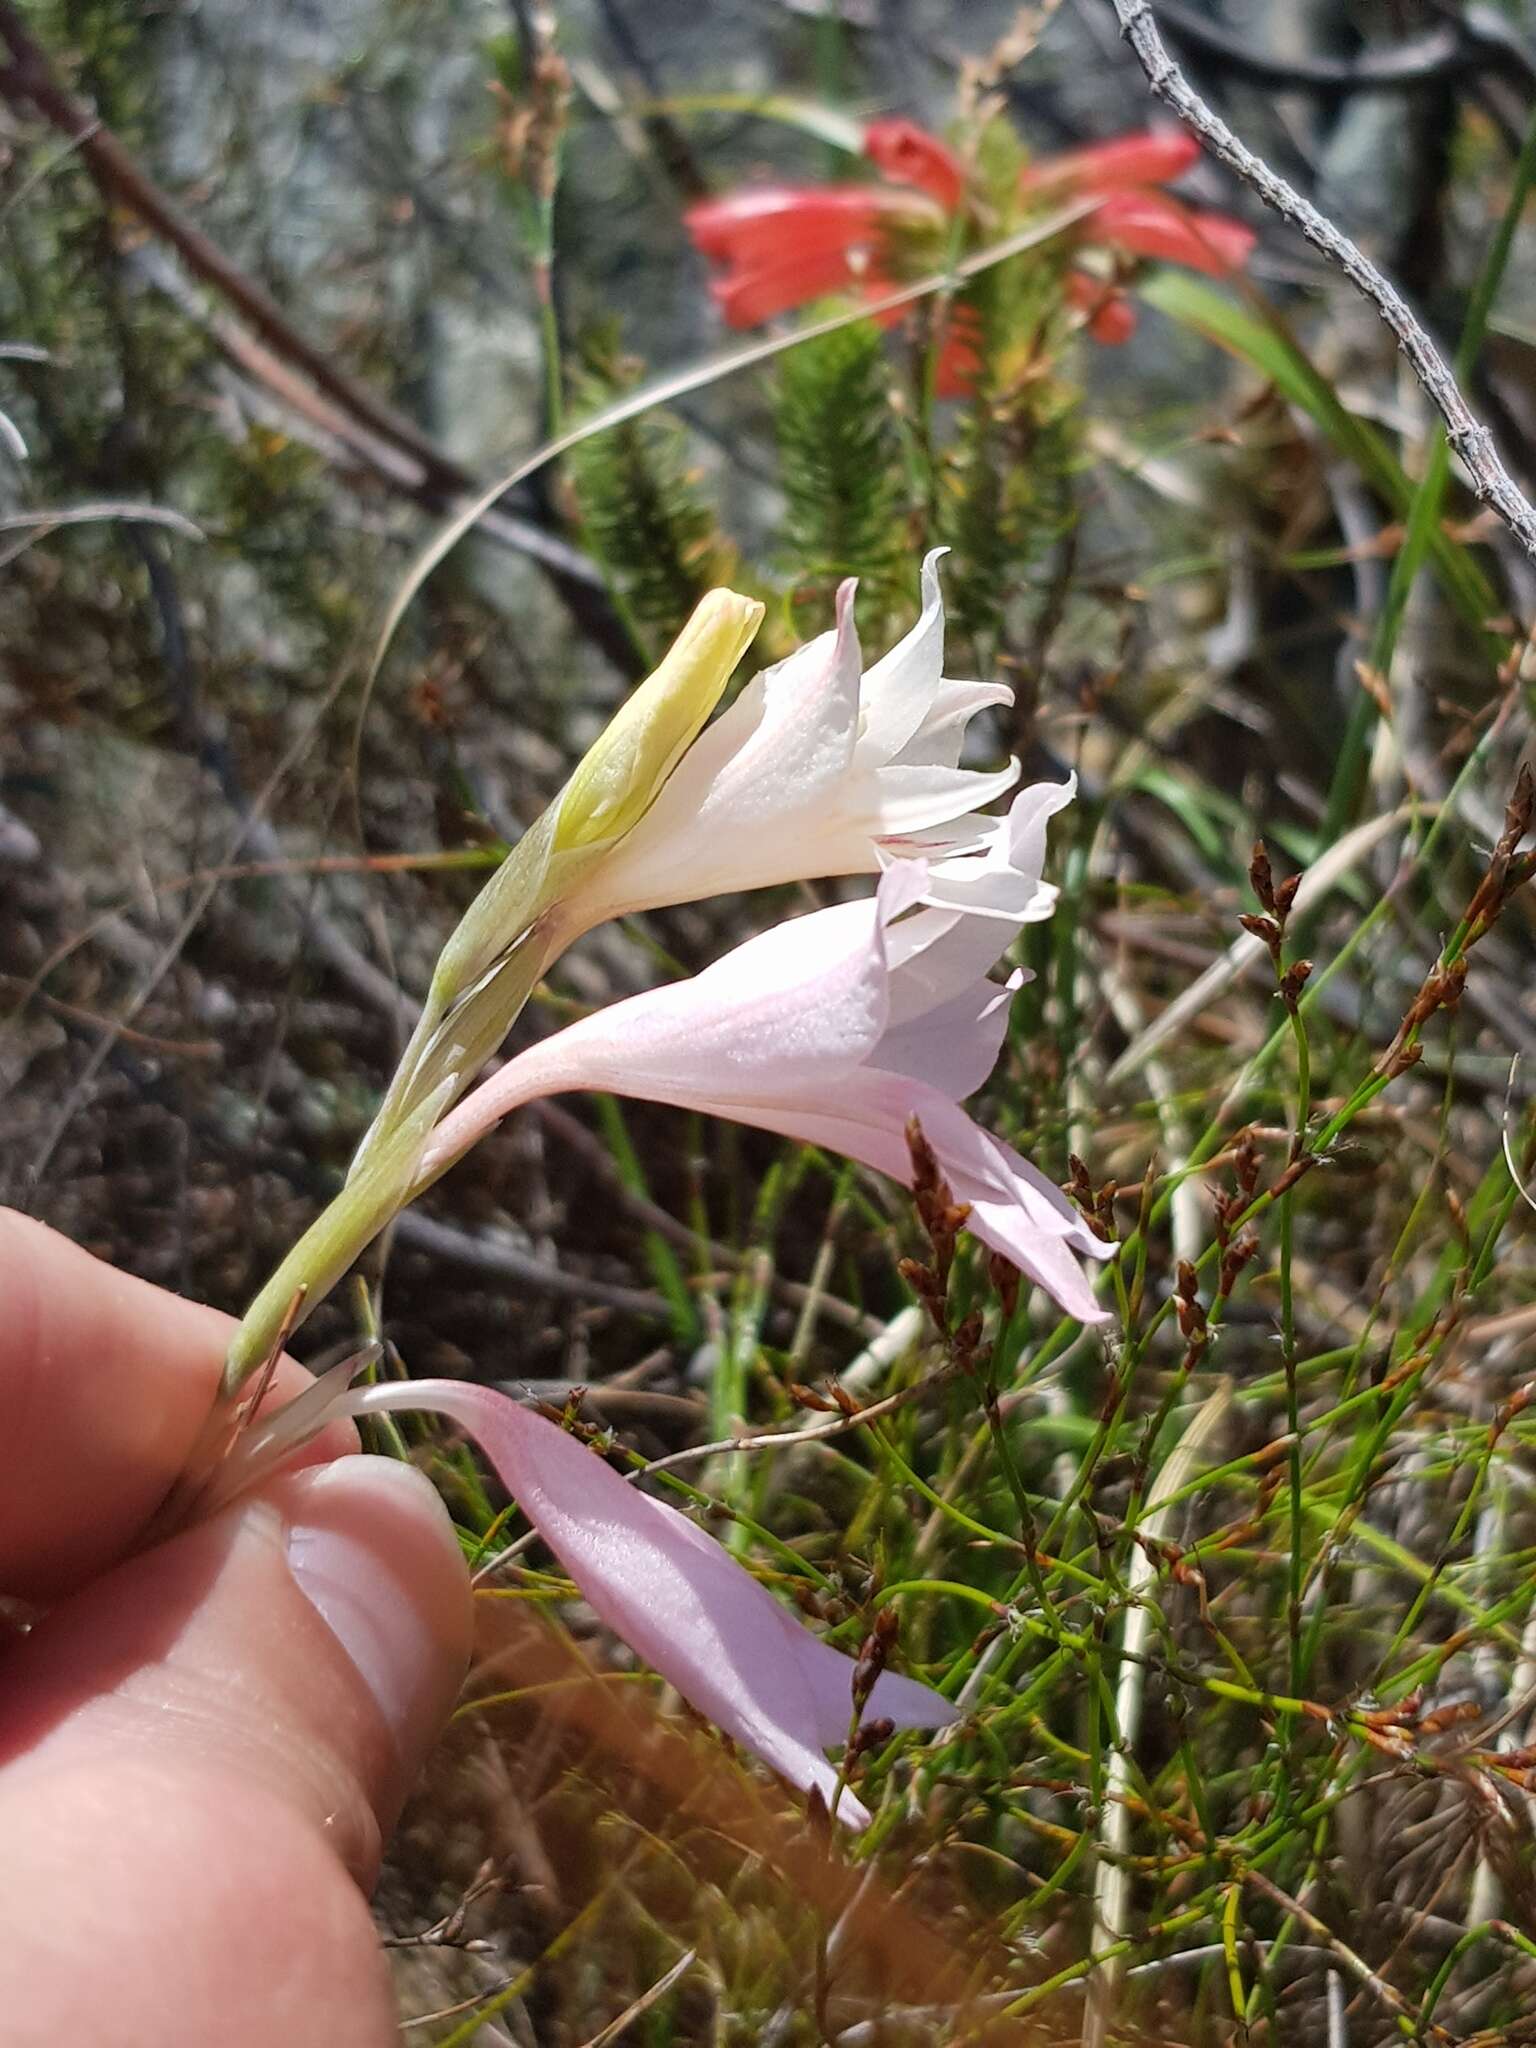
x,y
329,1247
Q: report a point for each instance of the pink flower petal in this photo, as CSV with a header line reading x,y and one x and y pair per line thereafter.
x,y
675,1596
801,1002
836,1029
1015,1210
790,1011
954,1046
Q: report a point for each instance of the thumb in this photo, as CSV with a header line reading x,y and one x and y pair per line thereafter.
x,y
200,1750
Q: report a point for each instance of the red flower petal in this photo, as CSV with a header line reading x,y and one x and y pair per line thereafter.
x,y
1110,316
1147,224
959,365
758,291
909,155
1154,156
959,346
775,220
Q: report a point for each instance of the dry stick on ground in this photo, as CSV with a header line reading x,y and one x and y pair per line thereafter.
x,y
29,80
1468,437
268,382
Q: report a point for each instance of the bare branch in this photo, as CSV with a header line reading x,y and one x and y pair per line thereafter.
x,y
1470,440
31,78
1472,42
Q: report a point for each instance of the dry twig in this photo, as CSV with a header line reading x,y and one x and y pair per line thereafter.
x,y
1470,440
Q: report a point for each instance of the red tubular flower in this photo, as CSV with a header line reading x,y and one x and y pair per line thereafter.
x,y
780,246
748,297
763,223
1135,219
1155,156
909,155
1149,224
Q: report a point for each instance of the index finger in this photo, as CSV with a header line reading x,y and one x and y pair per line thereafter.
x,y
105,1382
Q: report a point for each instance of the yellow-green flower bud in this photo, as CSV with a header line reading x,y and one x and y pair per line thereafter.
x,y
623,772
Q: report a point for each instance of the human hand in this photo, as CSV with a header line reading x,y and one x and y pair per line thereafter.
x,y
202,1747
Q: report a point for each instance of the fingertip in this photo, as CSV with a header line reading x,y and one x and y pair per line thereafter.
x,y
308,1641
373,1550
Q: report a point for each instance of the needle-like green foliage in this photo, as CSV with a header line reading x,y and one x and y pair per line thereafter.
x,y
841,465
643,508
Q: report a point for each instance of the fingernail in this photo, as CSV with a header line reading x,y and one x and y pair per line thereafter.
x,y
354,1547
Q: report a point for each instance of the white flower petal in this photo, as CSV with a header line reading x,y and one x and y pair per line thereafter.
x,y
909,713
970,832
810,772
991,894
898,693
1000,877
1028,816
942,735
912,798
728,817
805,740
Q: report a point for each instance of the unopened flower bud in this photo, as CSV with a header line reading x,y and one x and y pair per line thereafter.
x,y
623,773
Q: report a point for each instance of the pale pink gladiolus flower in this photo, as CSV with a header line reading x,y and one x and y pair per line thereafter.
x,y
673,1594
816,764
835,1029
